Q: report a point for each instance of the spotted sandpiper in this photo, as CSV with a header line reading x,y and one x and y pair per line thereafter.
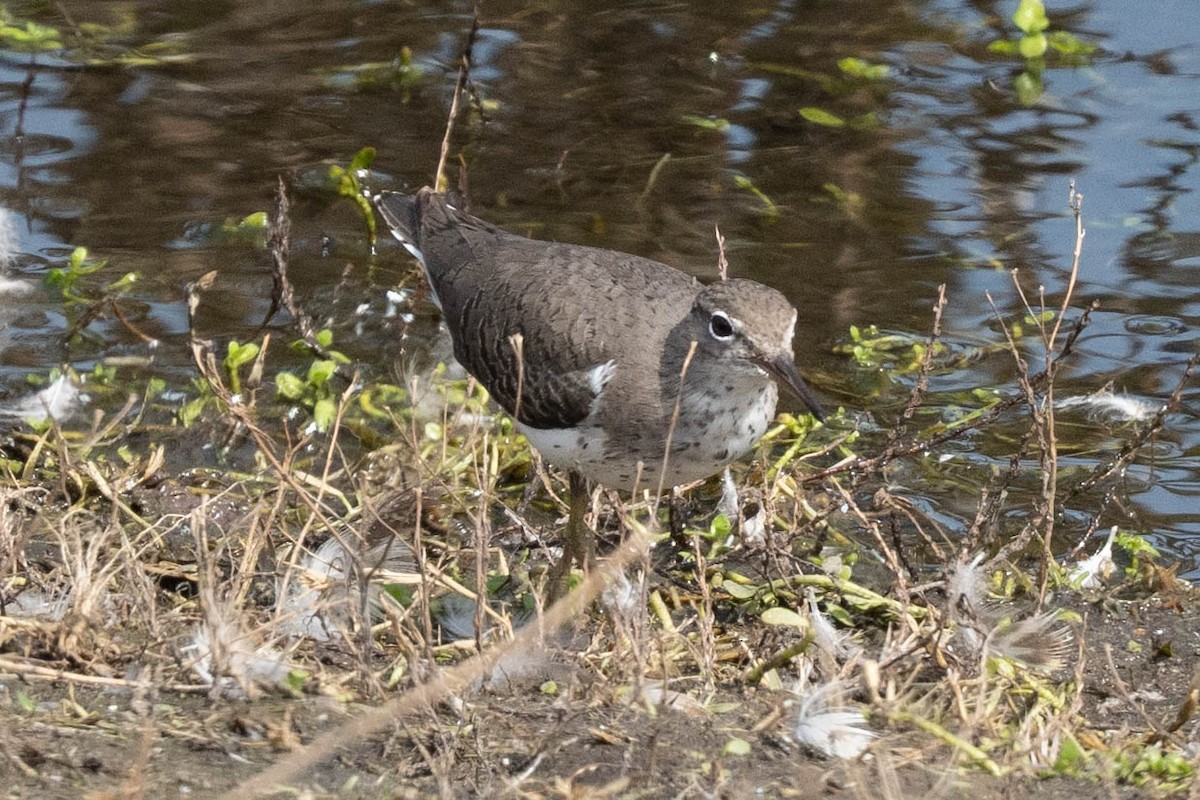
x,y
622,370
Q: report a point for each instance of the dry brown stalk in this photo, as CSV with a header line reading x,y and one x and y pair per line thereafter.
x,y
448,682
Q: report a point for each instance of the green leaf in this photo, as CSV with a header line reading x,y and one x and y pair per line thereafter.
x,y
323,413
295,680
1030,16
192,411
1135,545
238,355
1033,46
362,159
320,371
720,527
56,278
399,73
770,209
366,401
250,229
784,617
289,386
1070,45
819,116
402,594
739,592
256,221
346,183
30,38
1029,88
708,123
865,122
324,337
1073,617
1005,47
857,68
840,614
123,284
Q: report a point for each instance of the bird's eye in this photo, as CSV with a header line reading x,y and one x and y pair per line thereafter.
x,y
720,326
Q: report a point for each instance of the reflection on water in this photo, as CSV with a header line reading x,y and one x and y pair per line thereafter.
x,y
637,128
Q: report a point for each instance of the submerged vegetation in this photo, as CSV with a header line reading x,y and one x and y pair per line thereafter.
x,y
1037,45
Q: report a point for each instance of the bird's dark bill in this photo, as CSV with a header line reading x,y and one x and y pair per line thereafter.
x,y
784,371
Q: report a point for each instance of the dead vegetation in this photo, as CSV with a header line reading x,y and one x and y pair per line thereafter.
x,y
354,603
373,618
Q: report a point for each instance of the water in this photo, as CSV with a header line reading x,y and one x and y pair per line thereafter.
x,y
941,176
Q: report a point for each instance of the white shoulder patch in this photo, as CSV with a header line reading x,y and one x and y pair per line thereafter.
x,y
599,376
413,250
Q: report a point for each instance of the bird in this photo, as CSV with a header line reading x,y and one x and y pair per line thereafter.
x,y
619,369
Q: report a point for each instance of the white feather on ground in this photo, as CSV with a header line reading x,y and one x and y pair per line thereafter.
x,y
1091,572
58,401
1040,642
834,731
230,659
322,595
38,605
831,640
966,590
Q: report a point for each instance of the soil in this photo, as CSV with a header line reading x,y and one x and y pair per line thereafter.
x,y
585,739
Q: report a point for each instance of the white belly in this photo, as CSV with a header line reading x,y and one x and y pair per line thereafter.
x,y
704,442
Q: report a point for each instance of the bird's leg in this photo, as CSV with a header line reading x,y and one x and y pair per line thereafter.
x,y
579,543
677,519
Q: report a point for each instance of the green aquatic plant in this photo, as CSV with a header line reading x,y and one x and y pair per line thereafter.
x,y
237,356
1155,766
1036,39
68,279
855,75
827,119
85,300
769,208
1139,550
91,44
399,74
857,68
347,182
251,228
27,36
1031,18
315,391
1033,45
899,352
707,123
